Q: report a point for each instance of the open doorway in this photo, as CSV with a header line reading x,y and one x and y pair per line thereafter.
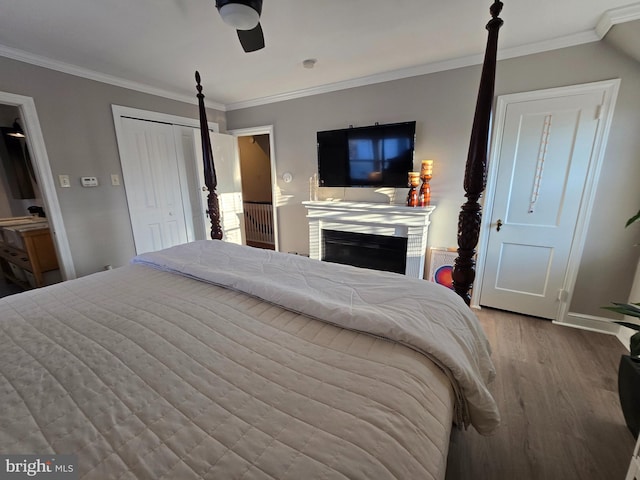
x,y
27,255
257,167
42,170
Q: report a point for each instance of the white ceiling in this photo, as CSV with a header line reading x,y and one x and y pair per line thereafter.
x,y
156,45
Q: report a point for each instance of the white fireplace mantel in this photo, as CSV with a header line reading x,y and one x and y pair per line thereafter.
x,y
372,218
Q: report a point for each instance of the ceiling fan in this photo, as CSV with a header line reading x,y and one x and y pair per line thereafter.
x,y
244,16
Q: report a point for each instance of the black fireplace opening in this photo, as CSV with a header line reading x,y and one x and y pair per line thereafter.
x,y
377,252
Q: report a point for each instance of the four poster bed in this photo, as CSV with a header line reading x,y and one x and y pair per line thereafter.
x,y
213,360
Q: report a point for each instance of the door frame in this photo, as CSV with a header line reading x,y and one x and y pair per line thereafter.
x,y
610,92
44,176
119,112
266,130
136,113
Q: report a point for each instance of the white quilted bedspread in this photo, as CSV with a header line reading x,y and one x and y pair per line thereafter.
x,y
145,374
425,316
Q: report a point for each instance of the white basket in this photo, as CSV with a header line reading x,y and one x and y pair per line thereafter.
x,y
18,272
30,278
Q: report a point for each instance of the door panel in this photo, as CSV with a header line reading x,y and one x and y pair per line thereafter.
x,y
544,158
536,260
187,141
542,162
227,164
152,184
154,232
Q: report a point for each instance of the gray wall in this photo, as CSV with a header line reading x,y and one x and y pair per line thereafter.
x,y
77,124
443,105
79,134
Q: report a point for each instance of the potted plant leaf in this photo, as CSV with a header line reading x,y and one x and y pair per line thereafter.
x,y
629,369
635,218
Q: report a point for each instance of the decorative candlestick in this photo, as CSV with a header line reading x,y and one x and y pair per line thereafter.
x,y
426,173
413,197
313,187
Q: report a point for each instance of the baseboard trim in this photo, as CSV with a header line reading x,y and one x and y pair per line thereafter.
x,y
597,324
589,322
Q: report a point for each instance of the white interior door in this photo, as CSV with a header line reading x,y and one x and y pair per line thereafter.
x,y
227,165
152,181
544,156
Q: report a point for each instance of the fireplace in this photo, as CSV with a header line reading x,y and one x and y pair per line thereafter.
x,y
404,228
377,252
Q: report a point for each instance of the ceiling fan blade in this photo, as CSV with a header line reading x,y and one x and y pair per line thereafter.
x,y
251,40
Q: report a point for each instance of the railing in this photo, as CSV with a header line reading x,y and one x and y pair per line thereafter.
x,y
258,222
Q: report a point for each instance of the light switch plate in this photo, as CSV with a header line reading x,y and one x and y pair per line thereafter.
x,y
89,181
64,181
115,179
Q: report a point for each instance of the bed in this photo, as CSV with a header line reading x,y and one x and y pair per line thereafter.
x,y
213,360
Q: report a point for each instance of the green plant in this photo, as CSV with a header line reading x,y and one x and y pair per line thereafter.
x,y
633,219
632,310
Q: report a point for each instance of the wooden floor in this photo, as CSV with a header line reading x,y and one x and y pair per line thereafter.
x,y
556,388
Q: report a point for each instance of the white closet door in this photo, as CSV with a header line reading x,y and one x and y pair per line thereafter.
x,y
153,185
187,144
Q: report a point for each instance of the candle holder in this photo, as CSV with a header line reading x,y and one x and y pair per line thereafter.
x,y
426,173
413,197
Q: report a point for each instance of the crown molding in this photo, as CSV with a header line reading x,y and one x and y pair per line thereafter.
x,y
608,20
615,16
358,82
70,69
562,42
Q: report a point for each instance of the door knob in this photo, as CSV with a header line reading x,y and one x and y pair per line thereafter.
x,y
498,225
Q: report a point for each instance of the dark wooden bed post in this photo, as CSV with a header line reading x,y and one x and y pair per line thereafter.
x,y
210,178
464,271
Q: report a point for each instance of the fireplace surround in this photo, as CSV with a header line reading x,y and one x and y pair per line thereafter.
x,y
379,219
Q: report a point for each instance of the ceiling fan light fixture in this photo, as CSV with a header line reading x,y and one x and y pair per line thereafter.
x,y
239,16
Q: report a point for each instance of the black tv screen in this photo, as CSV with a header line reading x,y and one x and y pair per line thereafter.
x,y
374,156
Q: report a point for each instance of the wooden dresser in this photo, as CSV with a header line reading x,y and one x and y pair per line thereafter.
x,y
26,251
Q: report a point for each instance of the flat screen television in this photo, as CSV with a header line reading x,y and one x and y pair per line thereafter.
x,y
374,156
